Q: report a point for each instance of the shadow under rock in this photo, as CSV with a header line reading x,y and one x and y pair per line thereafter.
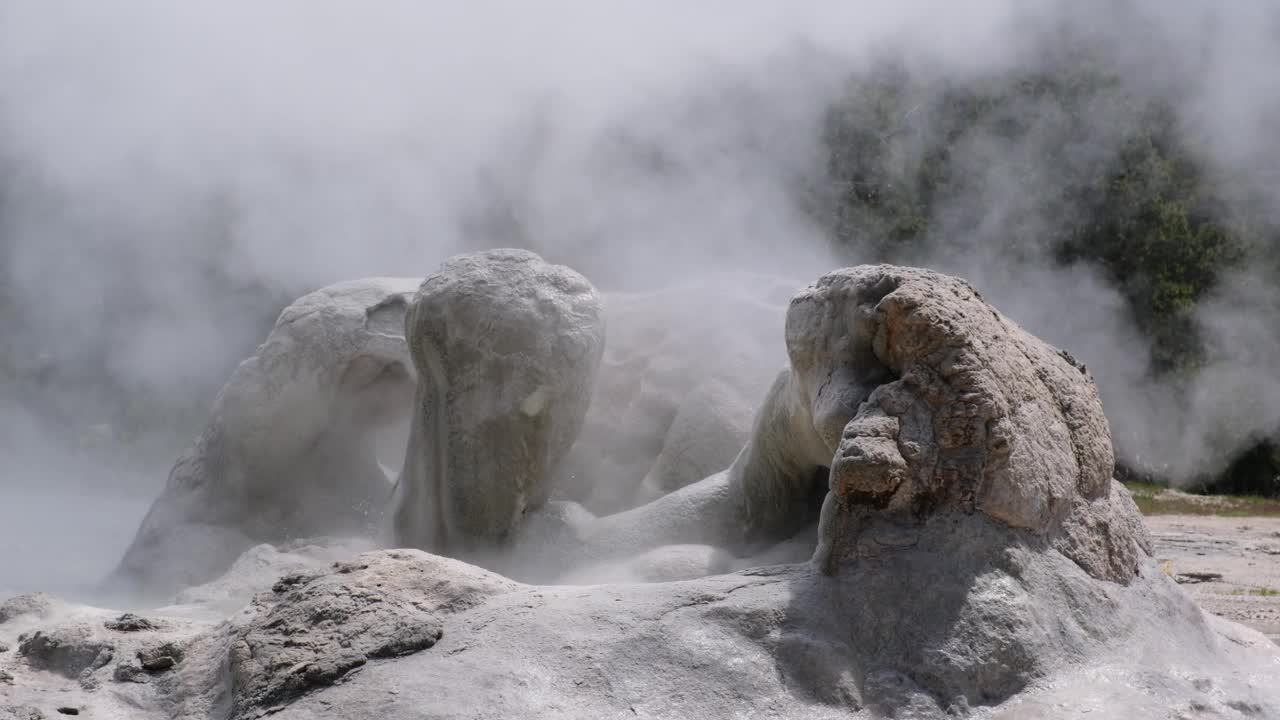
x,y
925,620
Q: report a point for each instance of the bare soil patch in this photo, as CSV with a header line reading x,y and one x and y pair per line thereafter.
x,y
1230,565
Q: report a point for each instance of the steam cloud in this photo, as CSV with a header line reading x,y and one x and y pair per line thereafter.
x,y
171,173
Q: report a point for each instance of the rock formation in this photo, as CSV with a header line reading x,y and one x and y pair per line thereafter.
x,y
907,396
683,372
290,449
974,556
980,417
672,403
506,348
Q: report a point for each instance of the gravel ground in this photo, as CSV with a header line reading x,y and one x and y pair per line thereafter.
x,y
1231,565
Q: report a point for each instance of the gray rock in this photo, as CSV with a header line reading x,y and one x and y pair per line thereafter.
x,y
673,403
130,672
711,425
76,645
128,622
159,658
506,348
67,649
313,631
906,396
291,448
961,618
261,565
944,405
683,371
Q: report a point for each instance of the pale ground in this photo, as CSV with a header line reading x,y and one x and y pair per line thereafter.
x,y
1245,551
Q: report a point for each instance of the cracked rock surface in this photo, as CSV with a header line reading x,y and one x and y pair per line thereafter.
x,y
977,415
934,629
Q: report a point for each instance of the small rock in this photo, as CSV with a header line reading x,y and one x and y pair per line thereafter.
x,y
6,676
129,622
129,672
160,658
156,664
1194,578
88,681
323,631
293,580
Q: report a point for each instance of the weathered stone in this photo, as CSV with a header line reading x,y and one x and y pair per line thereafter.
x,y
130,672
68,649
160,657
949,406
291,448
506,348
313,632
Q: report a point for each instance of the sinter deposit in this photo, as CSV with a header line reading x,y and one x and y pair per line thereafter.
x,y
600,514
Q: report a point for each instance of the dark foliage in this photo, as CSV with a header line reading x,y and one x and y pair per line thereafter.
x,y
1102,174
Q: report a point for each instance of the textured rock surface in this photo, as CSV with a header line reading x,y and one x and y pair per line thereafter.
x,y
906,395
69,650
262,565
979,416
672,404
967,621
290,449
70,658
129,622
314,629
506,347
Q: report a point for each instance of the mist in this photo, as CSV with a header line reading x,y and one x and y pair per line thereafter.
x,y
172,174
